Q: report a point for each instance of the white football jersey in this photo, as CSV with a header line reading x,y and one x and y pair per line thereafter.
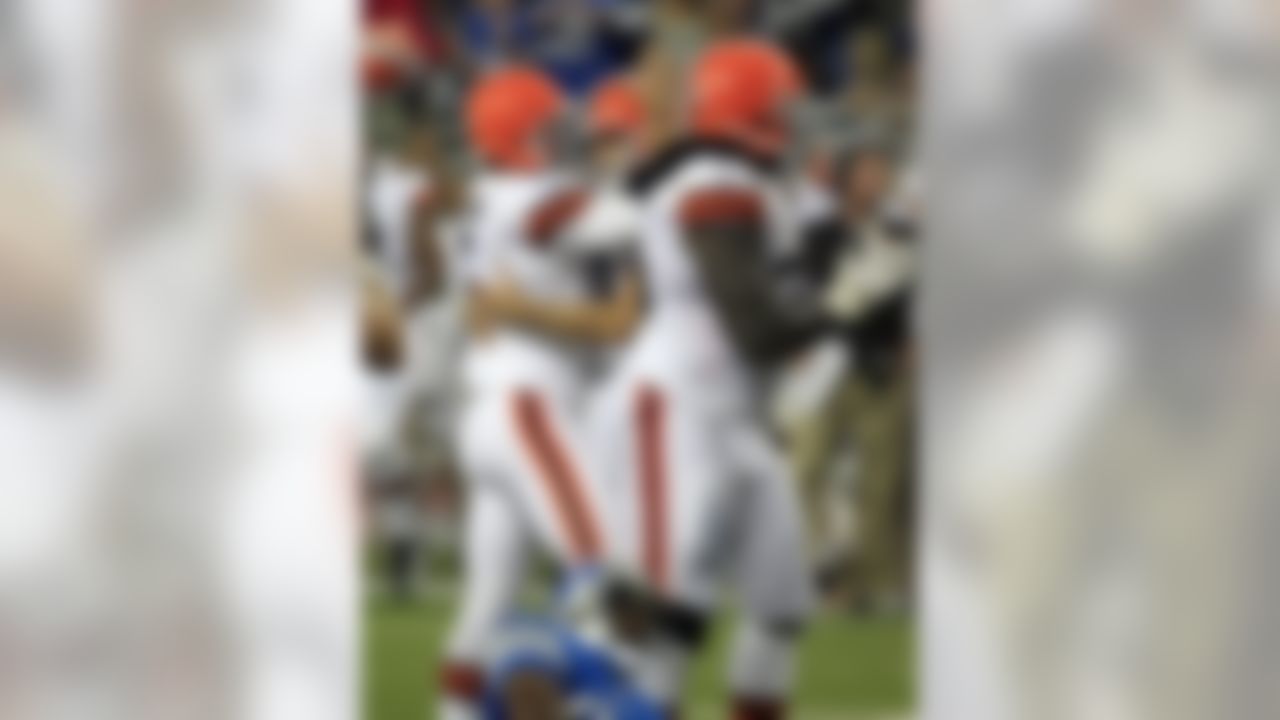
x,y
672,274
517,234
517,225
683,330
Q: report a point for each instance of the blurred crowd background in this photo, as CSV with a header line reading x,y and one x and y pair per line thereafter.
x,y
857,55
848,428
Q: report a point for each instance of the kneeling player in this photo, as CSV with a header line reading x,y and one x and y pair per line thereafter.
x,y
586,666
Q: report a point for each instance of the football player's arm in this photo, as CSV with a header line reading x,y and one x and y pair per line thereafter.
x,y
726,233
604,320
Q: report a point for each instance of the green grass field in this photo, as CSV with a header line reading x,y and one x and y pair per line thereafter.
x,y
850,669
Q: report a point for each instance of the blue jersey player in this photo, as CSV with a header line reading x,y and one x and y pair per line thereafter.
x,y
547,668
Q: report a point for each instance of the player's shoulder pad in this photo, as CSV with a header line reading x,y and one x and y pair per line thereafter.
x,y
719,206
610,222
672,159
552,214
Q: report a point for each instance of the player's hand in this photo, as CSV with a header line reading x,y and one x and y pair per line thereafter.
x,y
481,317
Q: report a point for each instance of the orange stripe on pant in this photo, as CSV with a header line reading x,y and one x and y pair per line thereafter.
x,y
556,470
650,439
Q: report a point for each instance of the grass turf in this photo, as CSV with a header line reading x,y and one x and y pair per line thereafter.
x,y
850,669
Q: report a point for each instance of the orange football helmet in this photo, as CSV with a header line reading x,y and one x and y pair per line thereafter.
x,y
739,91
617,108
507,113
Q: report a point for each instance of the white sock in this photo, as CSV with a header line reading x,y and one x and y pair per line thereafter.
x,y
763,661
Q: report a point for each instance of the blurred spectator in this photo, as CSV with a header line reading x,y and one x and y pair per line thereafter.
x,y
817,33
398,39
405,59
732,17
493,32
680,29
586,41
578,42
878,97
842,44
871,407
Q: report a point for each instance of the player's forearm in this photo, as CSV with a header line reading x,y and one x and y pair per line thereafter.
x,y
583,322
596,322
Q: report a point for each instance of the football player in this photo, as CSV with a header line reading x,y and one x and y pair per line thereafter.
x,y
520,443
705,496
599,242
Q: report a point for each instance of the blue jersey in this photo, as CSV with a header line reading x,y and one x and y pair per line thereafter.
x,y
595,687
